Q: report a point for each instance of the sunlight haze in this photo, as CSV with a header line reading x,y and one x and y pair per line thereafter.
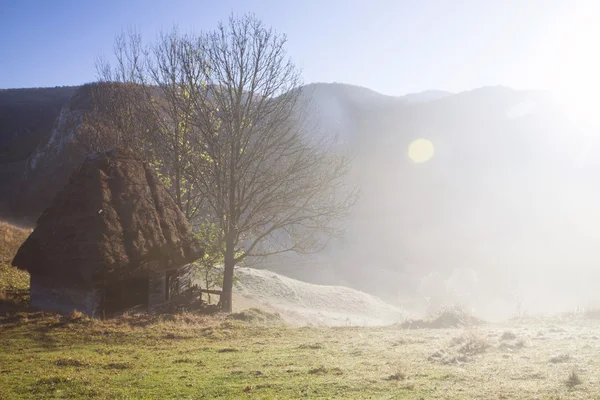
x,y
393,47
274,199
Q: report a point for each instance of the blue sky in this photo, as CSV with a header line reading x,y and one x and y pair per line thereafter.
x,y
392,46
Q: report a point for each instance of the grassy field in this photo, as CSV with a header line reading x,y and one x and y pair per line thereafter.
x,y
254,355
193,357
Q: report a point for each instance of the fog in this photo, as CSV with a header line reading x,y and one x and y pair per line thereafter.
x,y
487,199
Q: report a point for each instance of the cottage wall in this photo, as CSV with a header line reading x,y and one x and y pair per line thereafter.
x,y
55,295
157,288
180,280
164,286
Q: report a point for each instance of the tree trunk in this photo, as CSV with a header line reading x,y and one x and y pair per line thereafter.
x,y
178,186
226,299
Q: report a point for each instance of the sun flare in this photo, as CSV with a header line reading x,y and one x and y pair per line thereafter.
x,y
420,150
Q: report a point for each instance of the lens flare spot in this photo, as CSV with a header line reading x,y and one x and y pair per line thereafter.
x,y
420,150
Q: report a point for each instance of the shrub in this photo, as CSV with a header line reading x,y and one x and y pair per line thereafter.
x,y
449,317
461,349
471,343
76,315
573,379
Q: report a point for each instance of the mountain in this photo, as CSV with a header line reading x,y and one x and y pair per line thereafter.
x,y
506,201
505,204
423,97
333,108
26,120
26,116
40,152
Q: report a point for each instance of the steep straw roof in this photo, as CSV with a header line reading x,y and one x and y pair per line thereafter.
x,y
113,216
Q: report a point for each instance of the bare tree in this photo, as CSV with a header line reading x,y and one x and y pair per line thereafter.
x,y
222,116
142,100
115,118
271,186
120,114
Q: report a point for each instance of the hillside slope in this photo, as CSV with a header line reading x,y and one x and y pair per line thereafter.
x,y
11,238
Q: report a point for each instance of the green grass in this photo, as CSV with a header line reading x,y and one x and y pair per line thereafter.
x,y
12,278
250,354
192,357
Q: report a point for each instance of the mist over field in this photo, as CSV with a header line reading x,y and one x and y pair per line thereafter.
x,y
499,218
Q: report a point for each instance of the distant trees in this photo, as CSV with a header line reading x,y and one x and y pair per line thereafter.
x,y
221,117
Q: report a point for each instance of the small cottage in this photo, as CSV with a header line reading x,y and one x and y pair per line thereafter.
x,y
111,239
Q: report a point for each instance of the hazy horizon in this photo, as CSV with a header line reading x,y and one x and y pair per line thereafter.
x,y
391,47
336,83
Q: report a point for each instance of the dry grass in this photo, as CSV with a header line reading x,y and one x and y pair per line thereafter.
x,y
11,279
508,335
256,315
561,358
189,356
399,375
253,355
11,238
69,362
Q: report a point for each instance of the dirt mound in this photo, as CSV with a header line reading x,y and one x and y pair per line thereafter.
x,y
301,303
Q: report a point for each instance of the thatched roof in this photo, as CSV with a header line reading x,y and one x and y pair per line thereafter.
x,y
114,216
